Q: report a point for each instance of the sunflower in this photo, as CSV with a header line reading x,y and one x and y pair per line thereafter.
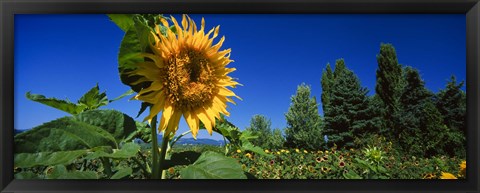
x,y
463,168
188,76
446,175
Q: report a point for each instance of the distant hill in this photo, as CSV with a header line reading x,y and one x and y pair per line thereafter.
x,y
16,131
191,141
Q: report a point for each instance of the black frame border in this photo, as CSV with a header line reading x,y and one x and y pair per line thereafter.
x,y
10,7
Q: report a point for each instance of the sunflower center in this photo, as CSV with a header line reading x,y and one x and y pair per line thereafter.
x,y
190,80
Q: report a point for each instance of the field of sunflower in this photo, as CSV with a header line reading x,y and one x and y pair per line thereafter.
x,y
341,164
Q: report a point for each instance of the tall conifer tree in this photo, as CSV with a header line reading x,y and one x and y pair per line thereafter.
x,y
348,113
389,81
327,81
451,102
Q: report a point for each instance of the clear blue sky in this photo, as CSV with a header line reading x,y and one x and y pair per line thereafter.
x,y
64,56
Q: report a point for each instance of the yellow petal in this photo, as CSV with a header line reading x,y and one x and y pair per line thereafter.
x,y
225,92
164,22
155,86
203,24
215,34
152,98
179,30
173,122
446,175
205,119
166,115
184,22
192,122
212,114
158,61
156,108
216,47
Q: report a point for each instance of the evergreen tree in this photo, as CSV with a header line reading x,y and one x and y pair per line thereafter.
x,y
303,121
327,81
421,131
451,102
261,127
377,115
389,81
348,113
435,133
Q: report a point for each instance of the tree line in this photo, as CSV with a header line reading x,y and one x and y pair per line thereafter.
x,y
416,120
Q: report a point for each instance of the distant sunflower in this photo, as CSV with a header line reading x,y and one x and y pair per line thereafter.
x,y
188,77
463,168
446,175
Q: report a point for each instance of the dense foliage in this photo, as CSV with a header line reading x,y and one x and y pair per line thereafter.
x,y
303,121
261,127
348,112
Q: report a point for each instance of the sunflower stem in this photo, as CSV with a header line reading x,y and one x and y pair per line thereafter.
x,y
163,154
155,164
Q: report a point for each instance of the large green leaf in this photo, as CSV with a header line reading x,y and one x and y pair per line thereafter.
x,y
114,122
64,134
93,99
212,165
124,21
128,57
61,172
25,160
128,150
62,105
130,48
135,41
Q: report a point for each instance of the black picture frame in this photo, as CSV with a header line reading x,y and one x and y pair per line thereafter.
x,y
8,8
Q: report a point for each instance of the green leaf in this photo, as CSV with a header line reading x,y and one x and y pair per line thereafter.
x,y
143,34
144,131
128,57
93,99
247,146
247,135
212,165
128,150
25,160
62,105
128,93
124,172
64,134
61,172
124,21
119,125
130,48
